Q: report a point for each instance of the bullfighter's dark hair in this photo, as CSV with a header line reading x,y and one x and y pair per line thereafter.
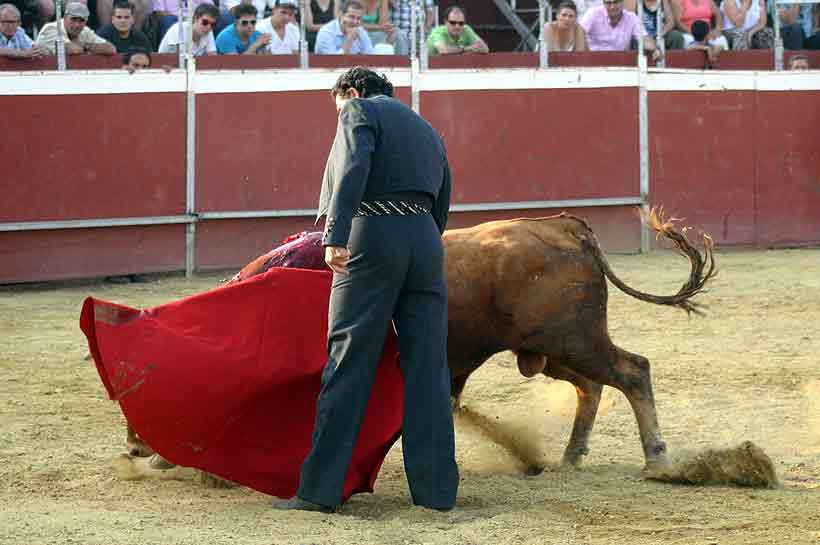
x,y
367,82
453,8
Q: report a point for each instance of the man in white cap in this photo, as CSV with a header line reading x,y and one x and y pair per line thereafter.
x,y
78,37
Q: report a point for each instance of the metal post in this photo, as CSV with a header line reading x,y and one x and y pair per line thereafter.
x,y
190,167
643,132
181,33
414,61
543,60
58,6
661,35
303,44
413,29
778,41
424,55
641,55
189,34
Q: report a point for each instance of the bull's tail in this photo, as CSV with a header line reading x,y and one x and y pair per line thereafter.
x,y
702,271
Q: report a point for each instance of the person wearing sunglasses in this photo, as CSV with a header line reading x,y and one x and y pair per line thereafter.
x,y
284,33
205,18
455,36
78,37
610,27
242,38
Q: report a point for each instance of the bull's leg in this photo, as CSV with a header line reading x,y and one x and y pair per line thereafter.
x,y
630,374
589,397
135,445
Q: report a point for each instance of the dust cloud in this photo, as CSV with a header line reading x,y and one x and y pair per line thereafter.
x,y
743,465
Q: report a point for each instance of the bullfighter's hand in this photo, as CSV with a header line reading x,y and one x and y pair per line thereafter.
x,y
336,258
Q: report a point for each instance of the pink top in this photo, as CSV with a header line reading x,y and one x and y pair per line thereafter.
x,y
601,36
691,13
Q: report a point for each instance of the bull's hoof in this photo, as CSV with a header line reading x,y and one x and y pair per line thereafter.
x,y
533,470
139,450
158,462
574,457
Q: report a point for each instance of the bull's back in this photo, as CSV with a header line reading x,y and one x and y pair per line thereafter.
x,y
512,281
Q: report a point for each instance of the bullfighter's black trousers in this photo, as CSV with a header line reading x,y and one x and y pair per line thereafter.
x,y
395,271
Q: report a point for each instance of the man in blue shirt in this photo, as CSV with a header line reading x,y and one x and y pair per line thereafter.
x,y
242,38
14,43
345,35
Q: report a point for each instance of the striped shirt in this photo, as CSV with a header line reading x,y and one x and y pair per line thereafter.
x,y
401,9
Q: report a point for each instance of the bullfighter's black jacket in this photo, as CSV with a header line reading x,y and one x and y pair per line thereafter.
x,y
374,158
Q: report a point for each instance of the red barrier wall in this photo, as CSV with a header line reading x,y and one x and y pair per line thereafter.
x,y
93,156
31,256
264,151
743,165
538,144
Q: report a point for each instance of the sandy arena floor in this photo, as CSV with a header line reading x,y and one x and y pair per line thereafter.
x,y
749,370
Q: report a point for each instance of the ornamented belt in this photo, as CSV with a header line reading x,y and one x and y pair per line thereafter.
x,y
390,208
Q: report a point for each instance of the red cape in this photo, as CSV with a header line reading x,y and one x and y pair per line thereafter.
x,y
226,381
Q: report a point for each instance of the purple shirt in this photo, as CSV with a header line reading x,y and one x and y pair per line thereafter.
x,y
601,36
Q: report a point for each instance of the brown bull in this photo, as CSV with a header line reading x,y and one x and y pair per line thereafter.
x,y
538,287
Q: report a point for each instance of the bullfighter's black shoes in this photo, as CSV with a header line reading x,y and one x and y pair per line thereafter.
x,y
297,503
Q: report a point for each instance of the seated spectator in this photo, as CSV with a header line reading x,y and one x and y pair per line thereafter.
x,y
700,33
455,36
242,38
799,62
744,23
77,36
166,13
320,13
689,11
136,59
14,43
121,31
672,37
205,17
792,24
227,15
565,34
140,9
612,28
345,35
284,34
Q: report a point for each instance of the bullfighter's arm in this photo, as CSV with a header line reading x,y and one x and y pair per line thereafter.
x,y
352,155
441,207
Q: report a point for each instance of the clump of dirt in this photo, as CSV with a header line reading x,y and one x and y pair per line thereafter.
x,y
743,465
